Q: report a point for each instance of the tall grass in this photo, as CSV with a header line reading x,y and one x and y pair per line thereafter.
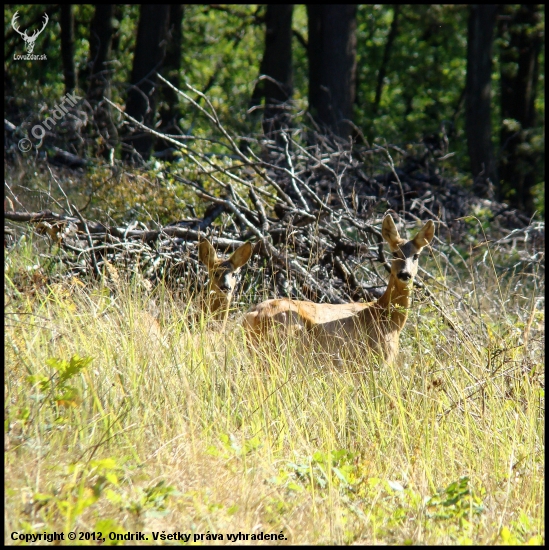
x,y
113,427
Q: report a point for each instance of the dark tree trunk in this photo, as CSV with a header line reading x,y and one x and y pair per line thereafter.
x,y
67,47
332,66
275,82
519,59
101,32
277,67
482,18
150,49
386,55
169,111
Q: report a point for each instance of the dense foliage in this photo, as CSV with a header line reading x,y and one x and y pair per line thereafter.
x,y
411,68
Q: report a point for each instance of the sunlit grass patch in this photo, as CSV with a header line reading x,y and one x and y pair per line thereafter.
x,y
129,409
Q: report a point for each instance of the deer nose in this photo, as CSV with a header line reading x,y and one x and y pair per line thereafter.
x,y
224,287
404,276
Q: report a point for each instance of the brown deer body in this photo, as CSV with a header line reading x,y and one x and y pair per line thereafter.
x,y
353,328
223,275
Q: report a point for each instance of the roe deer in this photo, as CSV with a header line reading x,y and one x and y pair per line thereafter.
x,y
336,328
223,275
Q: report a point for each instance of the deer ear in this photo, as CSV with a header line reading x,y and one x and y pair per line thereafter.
x,y
425,235
241,255
207,254
390,232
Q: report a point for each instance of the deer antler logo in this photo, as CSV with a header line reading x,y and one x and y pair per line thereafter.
x,y
29,40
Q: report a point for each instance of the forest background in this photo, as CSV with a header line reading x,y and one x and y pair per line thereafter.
x,y
469,75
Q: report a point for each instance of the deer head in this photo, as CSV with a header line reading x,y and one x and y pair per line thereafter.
x,y
405,253
223,273
29,40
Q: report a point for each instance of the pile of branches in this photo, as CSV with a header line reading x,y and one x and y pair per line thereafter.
x,y
302,254
309,202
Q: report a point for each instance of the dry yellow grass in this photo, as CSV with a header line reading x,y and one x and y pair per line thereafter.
x,y
188,433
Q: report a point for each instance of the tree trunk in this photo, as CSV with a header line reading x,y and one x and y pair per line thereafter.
x,y
101,32
519,59
150,49
275,82
332,66
67,47
482,18
277,67
169,111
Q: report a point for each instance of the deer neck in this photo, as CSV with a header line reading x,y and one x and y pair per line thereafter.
x,y
396,301
218,303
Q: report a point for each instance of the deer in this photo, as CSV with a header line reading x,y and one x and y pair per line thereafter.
x,y
223,276
346,328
